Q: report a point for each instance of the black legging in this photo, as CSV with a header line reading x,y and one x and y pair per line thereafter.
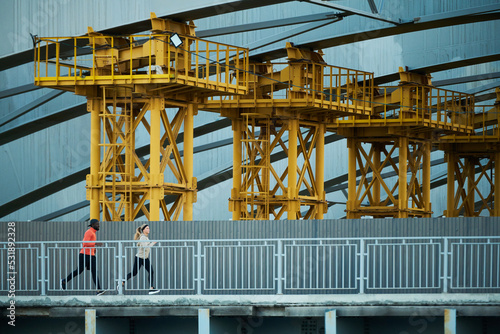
x,y
86,262
138,263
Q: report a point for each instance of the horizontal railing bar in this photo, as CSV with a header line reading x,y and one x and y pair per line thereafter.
x,y
268,239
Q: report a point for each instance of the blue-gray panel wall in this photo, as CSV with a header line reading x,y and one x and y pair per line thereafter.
x,y
328,228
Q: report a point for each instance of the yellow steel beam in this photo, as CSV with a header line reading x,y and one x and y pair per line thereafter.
x,y
94,105
235,201
351,182
320,171
188,161
403,177
155,178
293,128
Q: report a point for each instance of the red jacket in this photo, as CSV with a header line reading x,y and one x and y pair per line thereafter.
x,y
89,247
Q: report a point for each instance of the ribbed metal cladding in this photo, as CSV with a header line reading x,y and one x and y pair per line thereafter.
x,y
328,228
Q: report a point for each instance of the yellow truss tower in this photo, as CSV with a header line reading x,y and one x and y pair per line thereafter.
x,y
398,135
472,160
287,109
151,82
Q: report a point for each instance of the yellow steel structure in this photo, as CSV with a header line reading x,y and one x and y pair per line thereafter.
x,y
141,82
472,160
292,102
398,134
275,108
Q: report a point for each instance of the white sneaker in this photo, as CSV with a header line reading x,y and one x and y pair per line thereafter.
x,y
122,285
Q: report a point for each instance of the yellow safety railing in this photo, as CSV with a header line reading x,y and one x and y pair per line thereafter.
x,y
486,120
304,84
417,105
62,62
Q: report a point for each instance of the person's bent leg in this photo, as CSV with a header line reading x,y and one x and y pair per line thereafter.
x,y
135,269
93,270
78,270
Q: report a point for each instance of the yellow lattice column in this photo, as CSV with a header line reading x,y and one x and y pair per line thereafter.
x,y
377,149
470,179
351,179
155,178
450,193
426,179
235,200
403,178
94,105
292,195
376,193
320,172
255,166
188,162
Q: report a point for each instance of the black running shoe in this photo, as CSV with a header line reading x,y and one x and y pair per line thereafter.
x,y
153,291
62,284
101,292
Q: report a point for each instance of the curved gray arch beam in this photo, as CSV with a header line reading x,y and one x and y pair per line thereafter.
x,y
197,10
471,15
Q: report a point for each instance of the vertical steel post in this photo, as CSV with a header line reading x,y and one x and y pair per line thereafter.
x,y
292,169
155,184
280,267
426,182
331,322
351,178
237,156
450,321
403,179
445,265
450,199
376,182
320,171
362,266
496,190
471,176
204,321
188,161
120,268
198,268
94,105
90,322
129,160
42,269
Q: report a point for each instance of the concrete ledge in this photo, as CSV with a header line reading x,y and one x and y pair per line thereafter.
x,y
258,300
258,305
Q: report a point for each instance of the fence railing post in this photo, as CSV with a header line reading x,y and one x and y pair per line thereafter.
x,y
42,269
198,268
361,266
280,268
120,268
445,265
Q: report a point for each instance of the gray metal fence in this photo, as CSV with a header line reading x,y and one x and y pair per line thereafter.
x,y
263,266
